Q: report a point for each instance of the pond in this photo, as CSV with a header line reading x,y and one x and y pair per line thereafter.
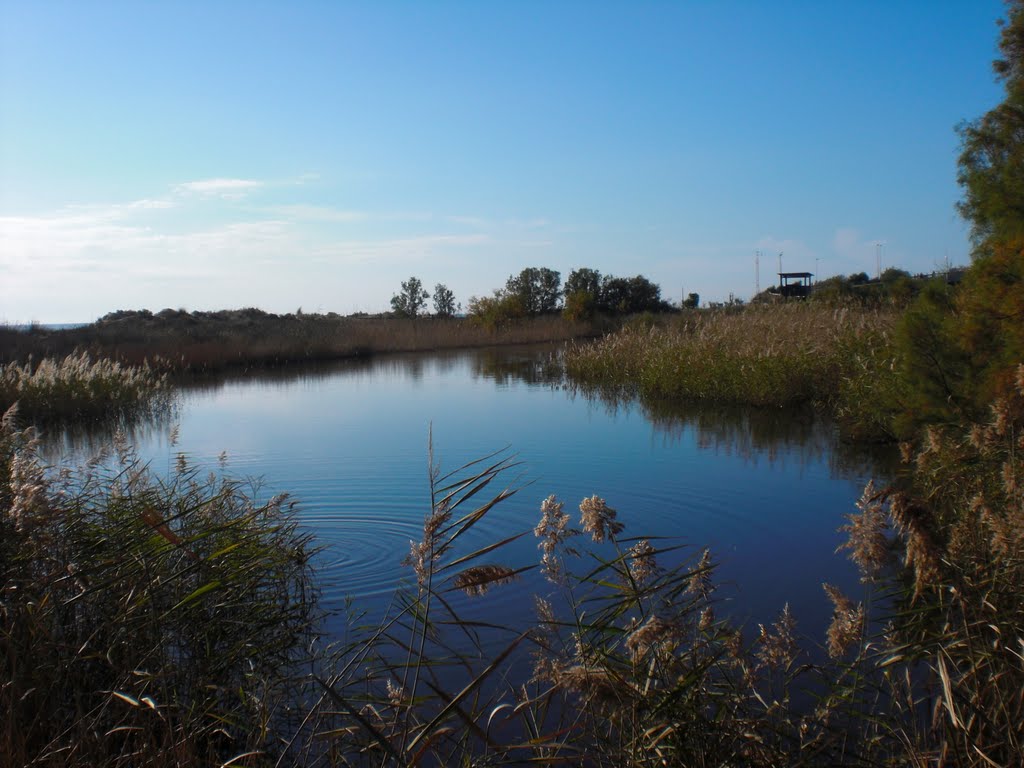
x,y
766,491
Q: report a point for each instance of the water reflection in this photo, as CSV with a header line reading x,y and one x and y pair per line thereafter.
x,y
766,489
533,366
751,434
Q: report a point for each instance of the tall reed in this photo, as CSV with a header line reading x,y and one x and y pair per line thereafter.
x,y
625,662
772,356
78,387
144,622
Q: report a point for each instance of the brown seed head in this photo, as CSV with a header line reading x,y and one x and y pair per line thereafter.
x,y
598,519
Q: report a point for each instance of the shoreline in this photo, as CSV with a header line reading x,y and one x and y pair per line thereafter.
x,y
202,342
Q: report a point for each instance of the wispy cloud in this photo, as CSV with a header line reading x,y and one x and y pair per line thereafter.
x,y
191,246
228,188
395,250
317,213
148,205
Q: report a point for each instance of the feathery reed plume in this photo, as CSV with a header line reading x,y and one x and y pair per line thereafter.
x,y
29,488
395,693
552,530
654,635
476,580
699,584
595,684
427,551
778,648
847,624
913,521
642,564
707,619
77,387
546,664
598,519
866,541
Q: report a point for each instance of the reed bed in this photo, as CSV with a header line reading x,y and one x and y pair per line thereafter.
x,y
78,388
766,356
210,341
144,622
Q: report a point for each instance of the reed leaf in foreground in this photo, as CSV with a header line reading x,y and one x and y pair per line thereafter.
x,y
625,662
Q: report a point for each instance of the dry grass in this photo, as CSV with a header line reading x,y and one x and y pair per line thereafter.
x,y
207,341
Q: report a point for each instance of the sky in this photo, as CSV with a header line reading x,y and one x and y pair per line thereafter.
x,y
313,155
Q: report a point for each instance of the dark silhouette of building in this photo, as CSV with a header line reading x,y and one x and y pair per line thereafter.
x,y
795,284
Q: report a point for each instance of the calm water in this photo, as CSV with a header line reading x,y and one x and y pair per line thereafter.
x,y
766,491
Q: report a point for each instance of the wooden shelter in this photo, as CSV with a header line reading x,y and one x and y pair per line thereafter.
x,y
795,284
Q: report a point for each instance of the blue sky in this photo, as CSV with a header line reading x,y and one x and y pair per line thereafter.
x,y
283,155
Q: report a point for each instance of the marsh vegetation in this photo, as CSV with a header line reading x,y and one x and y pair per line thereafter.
x,y
170,621
177,340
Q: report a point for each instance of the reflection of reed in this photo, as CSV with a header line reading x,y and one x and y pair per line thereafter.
x,y
531,365
753,434
91,438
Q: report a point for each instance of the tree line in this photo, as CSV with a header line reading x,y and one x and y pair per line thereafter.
x,y
536,291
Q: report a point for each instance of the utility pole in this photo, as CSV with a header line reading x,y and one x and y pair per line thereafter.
x,y
878,260
757,272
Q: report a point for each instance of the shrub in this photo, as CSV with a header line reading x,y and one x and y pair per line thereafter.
x,y
496,312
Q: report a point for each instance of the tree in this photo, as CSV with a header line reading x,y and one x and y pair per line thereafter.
x,y
584,279
538,289
962,350
411,300
992,148
692,301
629,295
444,301
495,311
579,306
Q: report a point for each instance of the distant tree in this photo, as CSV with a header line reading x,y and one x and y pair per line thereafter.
x,y
495,311
893,274
860,278
538,289
444,301
629,295
692,301
579,305
583,279
411,300
614,296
